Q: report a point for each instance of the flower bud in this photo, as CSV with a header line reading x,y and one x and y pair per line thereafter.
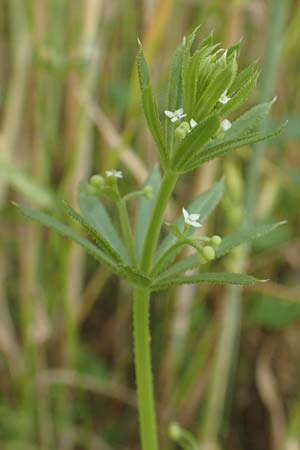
x,y
182,130
148,192
174,431
216,241
97,181
208,253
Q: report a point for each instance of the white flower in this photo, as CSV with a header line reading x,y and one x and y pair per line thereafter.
x,y
193,123
224,98
191,219
114,173
225,124
176,115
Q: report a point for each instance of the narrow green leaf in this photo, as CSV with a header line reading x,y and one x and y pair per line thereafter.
x,y
185,68
174,92
220,149
221,81
242,236
203,205
150,108
94,212
124,271
248,122
211,278
195,140
240,97
245,235
242,78
97,237
145,209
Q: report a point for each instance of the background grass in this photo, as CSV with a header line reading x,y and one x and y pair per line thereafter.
x,y
226,361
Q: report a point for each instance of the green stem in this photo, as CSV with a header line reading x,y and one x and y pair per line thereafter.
x,y
143,370
126,231
166,188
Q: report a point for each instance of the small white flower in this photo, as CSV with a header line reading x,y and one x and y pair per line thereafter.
x,y
176,115
193,123
114,173
191,219
225,124
224,98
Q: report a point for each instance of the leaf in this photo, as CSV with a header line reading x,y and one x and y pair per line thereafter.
x,y
185,68
211,278
243,236
240,97
122,270
150,108
242,78
195,140
220,82
220,148
97,237
248,122
203,205
144,211
174,92
94,212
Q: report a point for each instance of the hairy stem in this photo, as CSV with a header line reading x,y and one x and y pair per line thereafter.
x,y
143,370
142,338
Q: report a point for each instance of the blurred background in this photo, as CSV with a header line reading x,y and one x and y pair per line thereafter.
x,y
226,360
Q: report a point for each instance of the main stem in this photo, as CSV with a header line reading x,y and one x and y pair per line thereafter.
x,y
142,339
143,370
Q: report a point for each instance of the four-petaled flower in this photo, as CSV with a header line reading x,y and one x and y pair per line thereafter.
x,y
225,124
176,115
224,98
191,219
114,173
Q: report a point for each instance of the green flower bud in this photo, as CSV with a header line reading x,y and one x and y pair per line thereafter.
x,y
182,130
148,191
97,181
208,253
174,431
216,241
